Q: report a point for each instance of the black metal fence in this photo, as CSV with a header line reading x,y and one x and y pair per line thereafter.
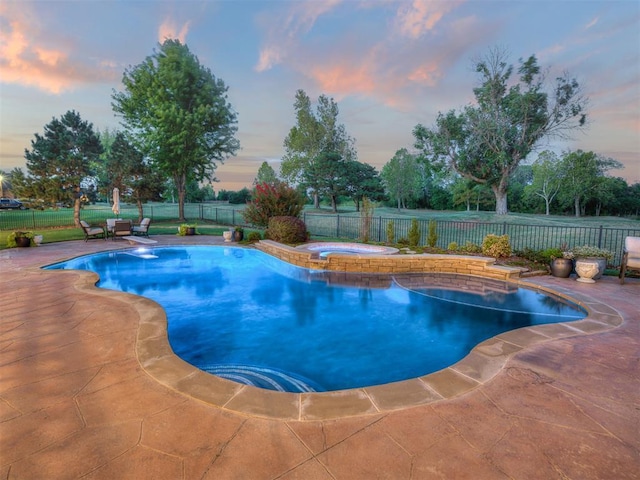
x,y
535,237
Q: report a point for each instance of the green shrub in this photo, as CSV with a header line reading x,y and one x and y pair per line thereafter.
x,y
432,236
414,233
403,242
453,246
254,237
549,254
391,232
470,247
532,255
287,230
496,246
272,200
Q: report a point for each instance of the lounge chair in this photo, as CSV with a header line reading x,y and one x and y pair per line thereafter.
x,y
630,256
121,228
92,231
143,228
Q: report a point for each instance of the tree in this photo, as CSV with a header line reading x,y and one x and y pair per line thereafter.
x,y
582,173
401,177
466,192
60,159
178,112
266,174
363,181
328,174
487,141
126,168
312,135
547,178
610,196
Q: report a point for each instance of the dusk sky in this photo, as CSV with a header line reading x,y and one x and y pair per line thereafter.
x,y
388,64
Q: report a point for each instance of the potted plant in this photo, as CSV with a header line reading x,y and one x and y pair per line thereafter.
x,y
186,229
560,261
238,234
592,255
20,239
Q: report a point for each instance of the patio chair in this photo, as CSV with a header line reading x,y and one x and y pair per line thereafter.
x,y
143,228
92,231
111,224
630,256
121,228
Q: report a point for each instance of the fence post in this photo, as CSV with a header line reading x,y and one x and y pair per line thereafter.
x,y
33,216
504,228
338,226
600,237
380,228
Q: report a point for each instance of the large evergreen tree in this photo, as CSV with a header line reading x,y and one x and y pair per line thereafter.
x,y
128,170
486,141
178,112
60,159
266,174
363,181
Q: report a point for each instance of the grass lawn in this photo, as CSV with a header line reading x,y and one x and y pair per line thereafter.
x,y
51,235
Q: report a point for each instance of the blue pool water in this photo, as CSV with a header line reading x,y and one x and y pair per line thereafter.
x,y
249,317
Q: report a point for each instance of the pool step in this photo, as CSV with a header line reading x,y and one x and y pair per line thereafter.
x,y
264,377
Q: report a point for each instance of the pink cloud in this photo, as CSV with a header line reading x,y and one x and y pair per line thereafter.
x,y
169,30
282,36
420,16
26,59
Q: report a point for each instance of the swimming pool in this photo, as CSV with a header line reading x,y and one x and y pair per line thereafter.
x,y
254,319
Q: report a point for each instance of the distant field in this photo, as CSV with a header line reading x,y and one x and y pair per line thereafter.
x,y
491,217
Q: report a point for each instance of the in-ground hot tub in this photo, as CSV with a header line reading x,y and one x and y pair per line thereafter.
x,y
322,249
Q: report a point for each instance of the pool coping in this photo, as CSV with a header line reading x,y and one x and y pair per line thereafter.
x,y
482,364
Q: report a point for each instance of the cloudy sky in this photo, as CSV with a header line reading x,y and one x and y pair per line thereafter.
x,y
388,64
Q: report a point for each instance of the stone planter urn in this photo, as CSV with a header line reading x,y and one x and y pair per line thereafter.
x,y
602,265
227,235
587,269
561,267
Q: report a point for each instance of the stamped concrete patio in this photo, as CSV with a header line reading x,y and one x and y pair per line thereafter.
x,y
77,400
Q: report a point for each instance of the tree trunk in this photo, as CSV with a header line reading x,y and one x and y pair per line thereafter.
x,y
546,201
76,211
334,204
316,200
501,199
140,210
181,184
399,203
576,204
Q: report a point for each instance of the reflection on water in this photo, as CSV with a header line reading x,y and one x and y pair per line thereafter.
x,y
233,306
